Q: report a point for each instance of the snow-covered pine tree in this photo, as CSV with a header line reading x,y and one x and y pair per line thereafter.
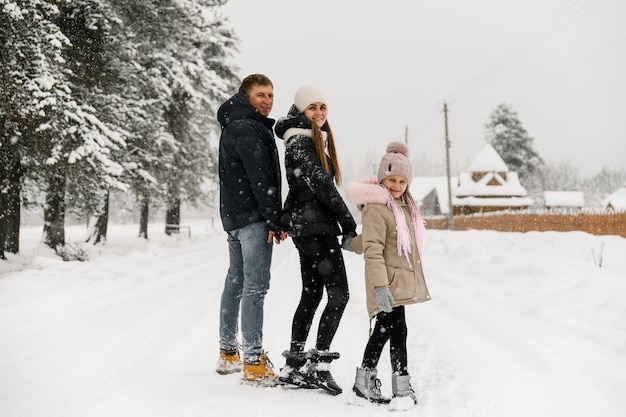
x,y
111,94
56,136
24,65
505,133
181,52
96,77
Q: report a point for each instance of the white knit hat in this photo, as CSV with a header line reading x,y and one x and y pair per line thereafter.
x,y
307,95
396,162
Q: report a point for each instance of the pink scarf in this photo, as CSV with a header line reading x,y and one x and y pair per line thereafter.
x,y
404,236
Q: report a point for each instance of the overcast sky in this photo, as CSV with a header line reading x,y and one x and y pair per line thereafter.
x,y
387,68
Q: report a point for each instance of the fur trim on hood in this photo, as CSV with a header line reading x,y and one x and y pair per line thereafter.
x,y
366,191
370,191
303,132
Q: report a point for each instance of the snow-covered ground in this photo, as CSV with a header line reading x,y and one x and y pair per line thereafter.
x,y
519,325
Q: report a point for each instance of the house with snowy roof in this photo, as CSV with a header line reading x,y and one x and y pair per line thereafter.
x,y
563,199
489,186
431,193
616,201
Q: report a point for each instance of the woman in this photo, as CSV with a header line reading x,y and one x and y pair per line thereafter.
x,y
316,214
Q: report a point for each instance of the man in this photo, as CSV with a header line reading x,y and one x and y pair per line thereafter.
x,y
250,209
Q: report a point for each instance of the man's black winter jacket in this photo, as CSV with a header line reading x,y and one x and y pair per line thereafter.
x,y
249,167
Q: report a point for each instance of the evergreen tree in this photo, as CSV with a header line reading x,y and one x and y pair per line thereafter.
x,y
54,136
181,51
95,77
505,133
99,95
101,71
24,72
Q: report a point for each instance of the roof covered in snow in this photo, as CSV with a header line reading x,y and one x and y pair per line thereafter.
x,y
617,200
422,186
564,198
493,201
487,160
490,184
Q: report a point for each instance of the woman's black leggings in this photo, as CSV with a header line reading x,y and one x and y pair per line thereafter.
x,y
321,266
392,327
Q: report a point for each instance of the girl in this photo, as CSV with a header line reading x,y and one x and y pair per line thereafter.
x,y
392,238
316,215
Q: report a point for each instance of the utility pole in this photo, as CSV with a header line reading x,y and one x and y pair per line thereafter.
x,y
450,204
406,135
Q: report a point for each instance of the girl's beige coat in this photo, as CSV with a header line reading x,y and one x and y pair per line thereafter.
x,y
378,244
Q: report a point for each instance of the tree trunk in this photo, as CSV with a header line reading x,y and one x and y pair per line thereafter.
x,y
172,217
2,217
13,206
143,220
4,184
54,213
98,232
9,189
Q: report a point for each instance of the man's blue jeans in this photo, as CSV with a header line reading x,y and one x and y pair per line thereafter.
x,y
247,282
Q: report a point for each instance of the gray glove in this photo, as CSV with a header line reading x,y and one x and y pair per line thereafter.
x,y
347,243
384,299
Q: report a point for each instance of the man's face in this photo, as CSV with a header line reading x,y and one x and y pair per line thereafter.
x,y
261,97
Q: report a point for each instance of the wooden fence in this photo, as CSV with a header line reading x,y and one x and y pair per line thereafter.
x,y
599,223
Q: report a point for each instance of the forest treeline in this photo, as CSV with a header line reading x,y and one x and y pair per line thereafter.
x,y
98,96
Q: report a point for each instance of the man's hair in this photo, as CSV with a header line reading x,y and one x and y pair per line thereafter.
x,y
252,80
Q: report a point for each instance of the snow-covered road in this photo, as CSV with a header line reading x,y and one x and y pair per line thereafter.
x,y
519,325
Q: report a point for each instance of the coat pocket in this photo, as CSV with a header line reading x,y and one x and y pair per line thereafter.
x,y
402,284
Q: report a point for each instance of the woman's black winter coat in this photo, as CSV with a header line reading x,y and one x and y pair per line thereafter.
x,y
313,205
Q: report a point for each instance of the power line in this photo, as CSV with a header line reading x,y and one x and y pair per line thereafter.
x,y
580,64
546,30
553,32
556,22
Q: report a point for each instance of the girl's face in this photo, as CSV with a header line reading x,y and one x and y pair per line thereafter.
x,y
316,113
396,185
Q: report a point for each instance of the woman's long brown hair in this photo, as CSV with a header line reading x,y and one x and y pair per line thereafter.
x,y
318,142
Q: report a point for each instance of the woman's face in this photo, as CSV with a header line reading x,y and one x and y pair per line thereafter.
x,y
396,185
316,113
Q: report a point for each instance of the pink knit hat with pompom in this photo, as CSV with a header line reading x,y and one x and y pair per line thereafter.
x,y
396,162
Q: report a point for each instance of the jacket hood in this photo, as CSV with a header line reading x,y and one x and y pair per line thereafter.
x,y
236,108
366,191
294,119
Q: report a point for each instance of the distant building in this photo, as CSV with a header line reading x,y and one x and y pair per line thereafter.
x,y
564,199
616,201
489,186
432,194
